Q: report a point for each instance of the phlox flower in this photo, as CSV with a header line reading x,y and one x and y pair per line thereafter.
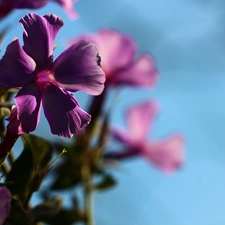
x,y
49,83
8,5
5,203
166,154
119,63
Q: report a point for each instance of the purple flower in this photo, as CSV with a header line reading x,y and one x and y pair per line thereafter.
x,y
49,83
68,7
118,59
5,204
8,5
166,154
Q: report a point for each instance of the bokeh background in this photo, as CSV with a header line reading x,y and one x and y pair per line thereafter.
x,y
187,40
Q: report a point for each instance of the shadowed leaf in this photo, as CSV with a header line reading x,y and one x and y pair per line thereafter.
x,y
106,183
29,169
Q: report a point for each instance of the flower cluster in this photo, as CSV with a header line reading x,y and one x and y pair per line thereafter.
x,y
95,64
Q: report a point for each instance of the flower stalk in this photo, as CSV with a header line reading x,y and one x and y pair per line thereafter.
x,y
88,191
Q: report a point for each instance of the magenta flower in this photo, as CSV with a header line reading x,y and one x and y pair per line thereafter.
x,y
49,83
166,155
8,5
68,7
5,204
118,59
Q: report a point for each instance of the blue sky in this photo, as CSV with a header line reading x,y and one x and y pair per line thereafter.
x,y
187,40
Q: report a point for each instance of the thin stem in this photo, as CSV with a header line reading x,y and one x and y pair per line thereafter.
x,y
88,194
4,168
11,158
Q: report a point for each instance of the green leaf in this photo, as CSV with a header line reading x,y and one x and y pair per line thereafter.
x,y
41,149
106,183
68,175
17,214
29,169
46,210
67,216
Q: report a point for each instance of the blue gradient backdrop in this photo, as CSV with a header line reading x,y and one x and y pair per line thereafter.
x,y
187,39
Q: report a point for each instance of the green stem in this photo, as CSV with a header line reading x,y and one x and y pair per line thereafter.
x,y
11,158
4,168
88,194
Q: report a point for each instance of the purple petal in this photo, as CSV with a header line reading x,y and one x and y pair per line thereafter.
x,y
14,126
122,136
116,50
28,101
63,112
39,36
140,119
118,53
167,155
78,68
68,7
5,204
141,73
28,4
6,6
16,67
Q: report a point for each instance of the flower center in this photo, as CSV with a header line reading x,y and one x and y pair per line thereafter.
x,y
44,78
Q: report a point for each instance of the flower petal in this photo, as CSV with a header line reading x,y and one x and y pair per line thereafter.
x,y
5,204
78,68
118,53
28,101
39,36
63,112
115,55
122,136
68,7
140,119
16,67
14,126
141,73
6,7
167,155
27,4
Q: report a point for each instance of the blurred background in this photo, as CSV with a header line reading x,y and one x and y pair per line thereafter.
x,y
186,39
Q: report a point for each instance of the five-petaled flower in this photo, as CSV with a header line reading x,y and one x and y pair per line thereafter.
x,y
7,6
118,59
49,83
167,155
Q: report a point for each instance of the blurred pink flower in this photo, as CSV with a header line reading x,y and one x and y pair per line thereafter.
x,y
6,6
167,154
68,7
118,51
5,203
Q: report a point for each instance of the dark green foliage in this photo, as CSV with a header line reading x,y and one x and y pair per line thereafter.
x,y
106,183
17,214
30,167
